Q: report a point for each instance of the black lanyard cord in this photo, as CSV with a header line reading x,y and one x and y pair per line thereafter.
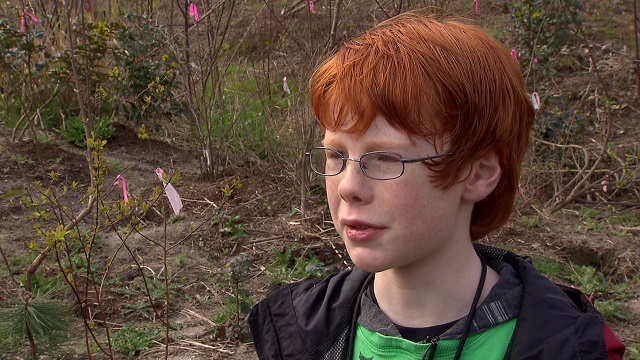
x,y
472,311
431,350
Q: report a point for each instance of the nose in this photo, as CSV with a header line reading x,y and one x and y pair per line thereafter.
x,y
353,185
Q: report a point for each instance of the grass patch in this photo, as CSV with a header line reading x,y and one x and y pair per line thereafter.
x,y
131,340
10,117
626,217
157,288
21,159
531,222
591,220
23,260
609,296
230,308
633,351
551,267
288,267
612,310
11,194
140,308
596,220
75,134
242,117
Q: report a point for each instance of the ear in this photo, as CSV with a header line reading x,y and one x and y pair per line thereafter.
x,y
483,178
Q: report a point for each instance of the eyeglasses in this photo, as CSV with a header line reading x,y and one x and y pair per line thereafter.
x,y
377,165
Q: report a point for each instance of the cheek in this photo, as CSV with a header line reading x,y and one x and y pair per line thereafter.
x,y
416,206
333,198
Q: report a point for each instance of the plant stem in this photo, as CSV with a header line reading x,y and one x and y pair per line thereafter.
x,y
166,290
32,342
635,31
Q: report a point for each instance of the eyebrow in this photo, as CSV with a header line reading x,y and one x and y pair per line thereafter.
x,y
373,145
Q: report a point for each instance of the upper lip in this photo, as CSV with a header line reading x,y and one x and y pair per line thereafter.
x,y
358,223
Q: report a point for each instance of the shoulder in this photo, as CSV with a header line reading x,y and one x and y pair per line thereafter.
x,y
294,319
554,322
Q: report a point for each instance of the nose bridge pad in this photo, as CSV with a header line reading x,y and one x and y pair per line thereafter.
x,y
363,167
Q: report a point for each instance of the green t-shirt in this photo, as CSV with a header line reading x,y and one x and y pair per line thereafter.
x,y
489,344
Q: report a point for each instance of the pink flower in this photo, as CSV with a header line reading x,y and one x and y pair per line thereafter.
x,y
125,195
475,3
193,11
535,60
514,54
312,6
23,20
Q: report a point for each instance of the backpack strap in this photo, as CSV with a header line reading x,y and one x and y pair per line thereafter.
x,y
615,347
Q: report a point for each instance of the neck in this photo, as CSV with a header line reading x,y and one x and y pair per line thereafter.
x,y
439,290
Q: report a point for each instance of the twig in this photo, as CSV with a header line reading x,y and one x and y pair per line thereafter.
x,y
207,346
334,23
6,263
208,288
581,186
575,178
612,203
293,9
269,238
632,229
205,201
189,312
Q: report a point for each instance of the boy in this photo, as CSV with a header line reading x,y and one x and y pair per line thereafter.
x,y
426,125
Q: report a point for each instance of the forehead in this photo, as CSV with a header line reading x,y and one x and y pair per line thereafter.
x,y
379,135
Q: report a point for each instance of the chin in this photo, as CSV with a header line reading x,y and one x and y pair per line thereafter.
x,y
371,260
369,266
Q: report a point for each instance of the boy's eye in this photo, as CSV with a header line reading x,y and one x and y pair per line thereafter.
x,y
384,157
333,155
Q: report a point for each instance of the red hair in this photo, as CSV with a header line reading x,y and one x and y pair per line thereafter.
x,y
446,81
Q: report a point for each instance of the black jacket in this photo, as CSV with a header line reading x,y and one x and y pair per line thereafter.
x,y
316,319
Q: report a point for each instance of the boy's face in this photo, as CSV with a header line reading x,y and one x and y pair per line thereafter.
x,y
397,223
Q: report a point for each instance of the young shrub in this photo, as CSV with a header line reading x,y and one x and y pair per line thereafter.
x,y
37,319
132,340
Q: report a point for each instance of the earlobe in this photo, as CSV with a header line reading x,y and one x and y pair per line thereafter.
x,y
484,177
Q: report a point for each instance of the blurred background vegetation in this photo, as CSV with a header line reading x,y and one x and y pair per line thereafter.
x,y
227,81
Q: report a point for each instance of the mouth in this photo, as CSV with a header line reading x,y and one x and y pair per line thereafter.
x,y
359,225
359,231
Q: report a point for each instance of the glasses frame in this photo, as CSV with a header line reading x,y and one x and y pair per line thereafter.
x,y
361,163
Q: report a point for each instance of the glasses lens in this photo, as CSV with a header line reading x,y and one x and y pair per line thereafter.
x,y
326,161
382,165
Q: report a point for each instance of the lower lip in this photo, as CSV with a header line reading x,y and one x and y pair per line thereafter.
x,y
361,234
